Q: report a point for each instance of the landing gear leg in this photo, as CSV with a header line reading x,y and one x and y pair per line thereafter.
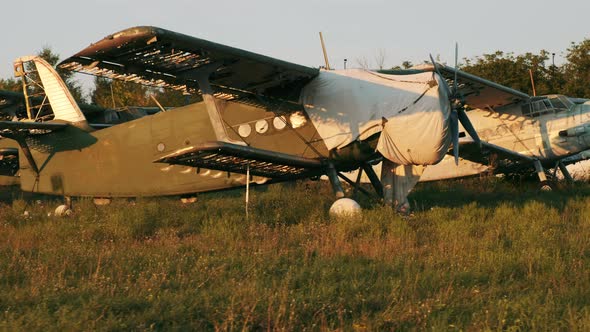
x,y
545,185
387,178
374,179
565,172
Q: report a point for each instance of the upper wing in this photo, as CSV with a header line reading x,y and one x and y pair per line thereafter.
x,y
477,92
162,58
481,93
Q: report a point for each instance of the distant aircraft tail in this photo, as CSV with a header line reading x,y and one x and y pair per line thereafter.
x,y
46,95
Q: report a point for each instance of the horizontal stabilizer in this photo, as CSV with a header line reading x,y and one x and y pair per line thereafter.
x,y
236,158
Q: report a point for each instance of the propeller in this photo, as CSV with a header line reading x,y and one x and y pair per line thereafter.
x,y
458,113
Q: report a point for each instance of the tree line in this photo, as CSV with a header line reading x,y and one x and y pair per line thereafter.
x,y
572,78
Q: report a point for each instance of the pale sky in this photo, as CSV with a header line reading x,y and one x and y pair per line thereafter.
x,y
288,30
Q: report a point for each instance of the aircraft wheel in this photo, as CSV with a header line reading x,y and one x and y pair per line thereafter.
x,y
188,199
345,207
546,186
100,201
63,211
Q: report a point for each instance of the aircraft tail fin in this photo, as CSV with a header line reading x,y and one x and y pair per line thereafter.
x,y
43,87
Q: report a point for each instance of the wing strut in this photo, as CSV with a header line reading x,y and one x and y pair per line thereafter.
x,y
202,77
374,179
19,131
21,139
356,184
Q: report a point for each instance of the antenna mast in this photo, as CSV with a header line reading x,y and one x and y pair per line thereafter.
x,y
532,82
325,53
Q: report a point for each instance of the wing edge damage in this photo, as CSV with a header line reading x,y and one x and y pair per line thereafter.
x,y
165,59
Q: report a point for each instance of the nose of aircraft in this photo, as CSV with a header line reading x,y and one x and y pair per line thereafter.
x,y
410,113
421,135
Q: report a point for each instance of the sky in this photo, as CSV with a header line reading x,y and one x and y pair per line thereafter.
x,y
288,30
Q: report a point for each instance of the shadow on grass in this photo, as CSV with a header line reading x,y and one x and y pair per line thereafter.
x,y
273,202
492,192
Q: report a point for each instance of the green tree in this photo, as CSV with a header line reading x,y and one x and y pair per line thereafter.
x,y
52,58
407,64
173,98
576,72
10,84
116,94
513,71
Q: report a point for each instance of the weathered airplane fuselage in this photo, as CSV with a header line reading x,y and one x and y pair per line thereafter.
x,y
533,129
119,161
538,129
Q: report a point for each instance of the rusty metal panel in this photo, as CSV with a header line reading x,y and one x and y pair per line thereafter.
x,y
162,58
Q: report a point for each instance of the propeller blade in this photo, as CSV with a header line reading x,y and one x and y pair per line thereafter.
x,y
434,64
466,123
454,124
446,86
455,88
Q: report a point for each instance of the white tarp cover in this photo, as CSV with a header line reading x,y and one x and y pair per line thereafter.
x,y
405,179
350,104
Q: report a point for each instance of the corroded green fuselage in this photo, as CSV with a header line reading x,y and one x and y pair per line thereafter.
x,y
119,161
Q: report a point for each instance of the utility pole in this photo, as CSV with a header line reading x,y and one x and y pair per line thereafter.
x,y
552,72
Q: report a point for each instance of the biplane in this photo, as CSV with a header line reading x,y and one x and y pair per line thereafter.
x,y
519,133
261,120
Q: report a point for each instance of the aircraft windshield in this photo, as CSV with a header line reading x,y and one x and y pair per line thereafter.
x,y
549,104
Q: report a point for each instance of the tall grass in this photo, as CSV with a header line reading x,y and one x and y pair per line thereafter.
x,y
477,254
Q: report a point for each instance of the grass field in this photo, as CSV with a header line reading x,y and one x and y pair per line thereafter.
x,y
476,255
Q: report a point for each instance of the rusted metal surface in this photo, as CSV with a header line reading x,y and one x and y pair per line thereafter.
x,y
162,58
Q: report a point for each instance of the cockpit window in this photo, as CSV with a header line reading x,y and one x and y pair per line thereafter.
x,y
549,104
561,102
